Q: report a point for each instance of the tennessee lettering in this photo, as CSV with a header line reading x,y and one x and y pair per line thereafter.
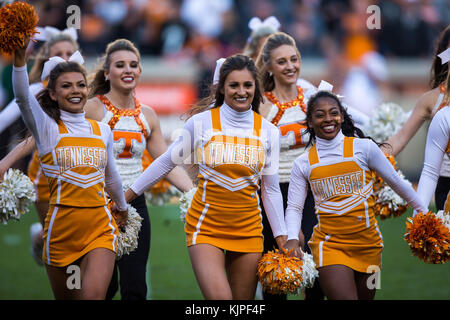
x,y
71,157
231,153
347,184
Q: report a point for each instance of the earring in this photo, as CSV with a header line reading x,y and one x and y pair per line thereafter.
x,y
106,78
270,73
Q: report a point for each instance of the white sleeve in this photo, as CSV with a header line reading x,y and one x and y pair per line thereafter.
x,y
273,204
37,121
298,188
113,182
378,162
436,145
179,150
11,112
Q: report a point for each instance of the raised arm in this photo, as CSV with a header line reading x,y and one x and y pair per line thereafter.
x,y
421,113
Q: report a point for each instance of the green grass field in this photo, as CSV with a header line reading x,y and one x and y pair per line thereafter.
x,y
170,275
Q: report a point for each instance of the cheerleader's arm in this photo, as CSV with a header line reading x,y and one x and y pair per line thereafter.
x,y
298,188
437,140
113,182
378,162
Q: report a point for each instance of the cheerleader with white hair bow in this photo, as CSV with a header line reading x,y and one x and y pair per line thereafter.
x,y
56,43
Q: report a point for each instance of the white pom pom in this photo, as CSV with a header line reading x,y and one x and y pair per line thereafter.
x,y
309,271
16,194
387,120
185,203
128,236
444,217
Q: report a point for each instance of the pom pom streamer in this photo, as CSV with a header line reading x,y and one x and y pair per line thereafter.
x,y
16,194
18,21
161,196
280,273
428,236
386,121
127,240
185,203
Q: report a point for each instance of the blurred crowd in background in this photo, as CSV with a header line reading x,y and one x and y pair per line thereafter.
x,y
201,31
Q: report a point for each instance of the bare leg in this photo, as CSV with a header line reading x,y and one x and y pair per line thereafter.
x,y
208,263
97,267
241,269
365,292
338,282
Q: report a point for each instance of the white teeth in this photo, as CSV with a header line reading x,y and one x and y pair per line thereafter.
x,y
127,78
328,128
241,99
75,100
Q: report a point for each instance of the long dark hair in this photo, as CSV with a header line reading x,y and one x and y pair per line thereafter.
x,y
438,70
348,127
216,98
49,105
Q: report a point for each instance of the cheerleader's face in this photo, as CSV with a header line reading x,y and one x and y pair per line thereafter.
x,y
70,92
239,90
285,64
124,70
326,118
63,49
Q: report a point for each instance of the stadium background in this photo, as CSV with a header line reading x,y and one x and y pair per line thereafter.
x,y
180,41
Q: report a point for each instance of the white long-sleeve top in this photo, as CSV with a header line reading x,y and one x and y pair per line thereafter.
x,y
197,131
45,131
11,112
436,146
368,156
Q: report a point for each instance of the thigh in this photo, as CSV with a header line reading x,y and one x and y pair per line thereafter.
x,y
365,286
208,263
241,269
58,278
338,282
97,267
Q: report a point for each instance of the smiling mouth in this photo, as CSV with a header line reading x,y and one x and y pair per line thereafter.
x,y
329,128
75,100
128,79
241,99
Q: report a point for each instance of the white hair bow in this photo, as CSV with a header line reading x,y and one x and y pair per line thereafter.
x,y
445,56
255,23
54,61
48,32
326,86
216,77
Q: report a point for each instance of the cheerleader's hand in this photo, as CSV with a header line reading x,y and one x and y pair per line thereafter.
x,y
120,216
281,241
294,245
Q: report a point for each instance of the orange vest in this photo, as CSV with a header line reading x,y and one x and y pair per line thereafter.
x,y
75,169
342,192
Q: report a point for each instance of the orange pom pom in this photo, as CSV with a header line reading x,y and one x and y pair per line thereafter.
x,y
18,21
428,238
280,273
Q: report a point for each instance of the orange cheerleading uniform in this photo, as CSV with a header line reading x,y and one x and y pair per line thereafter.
x,y
78,219
225,209
38,178
347,232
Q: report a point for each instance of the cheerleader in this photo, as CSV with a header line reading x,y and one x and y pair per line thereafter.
x,y
235,149
426,107
346,243
285,107
57,44
135,129
76,156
